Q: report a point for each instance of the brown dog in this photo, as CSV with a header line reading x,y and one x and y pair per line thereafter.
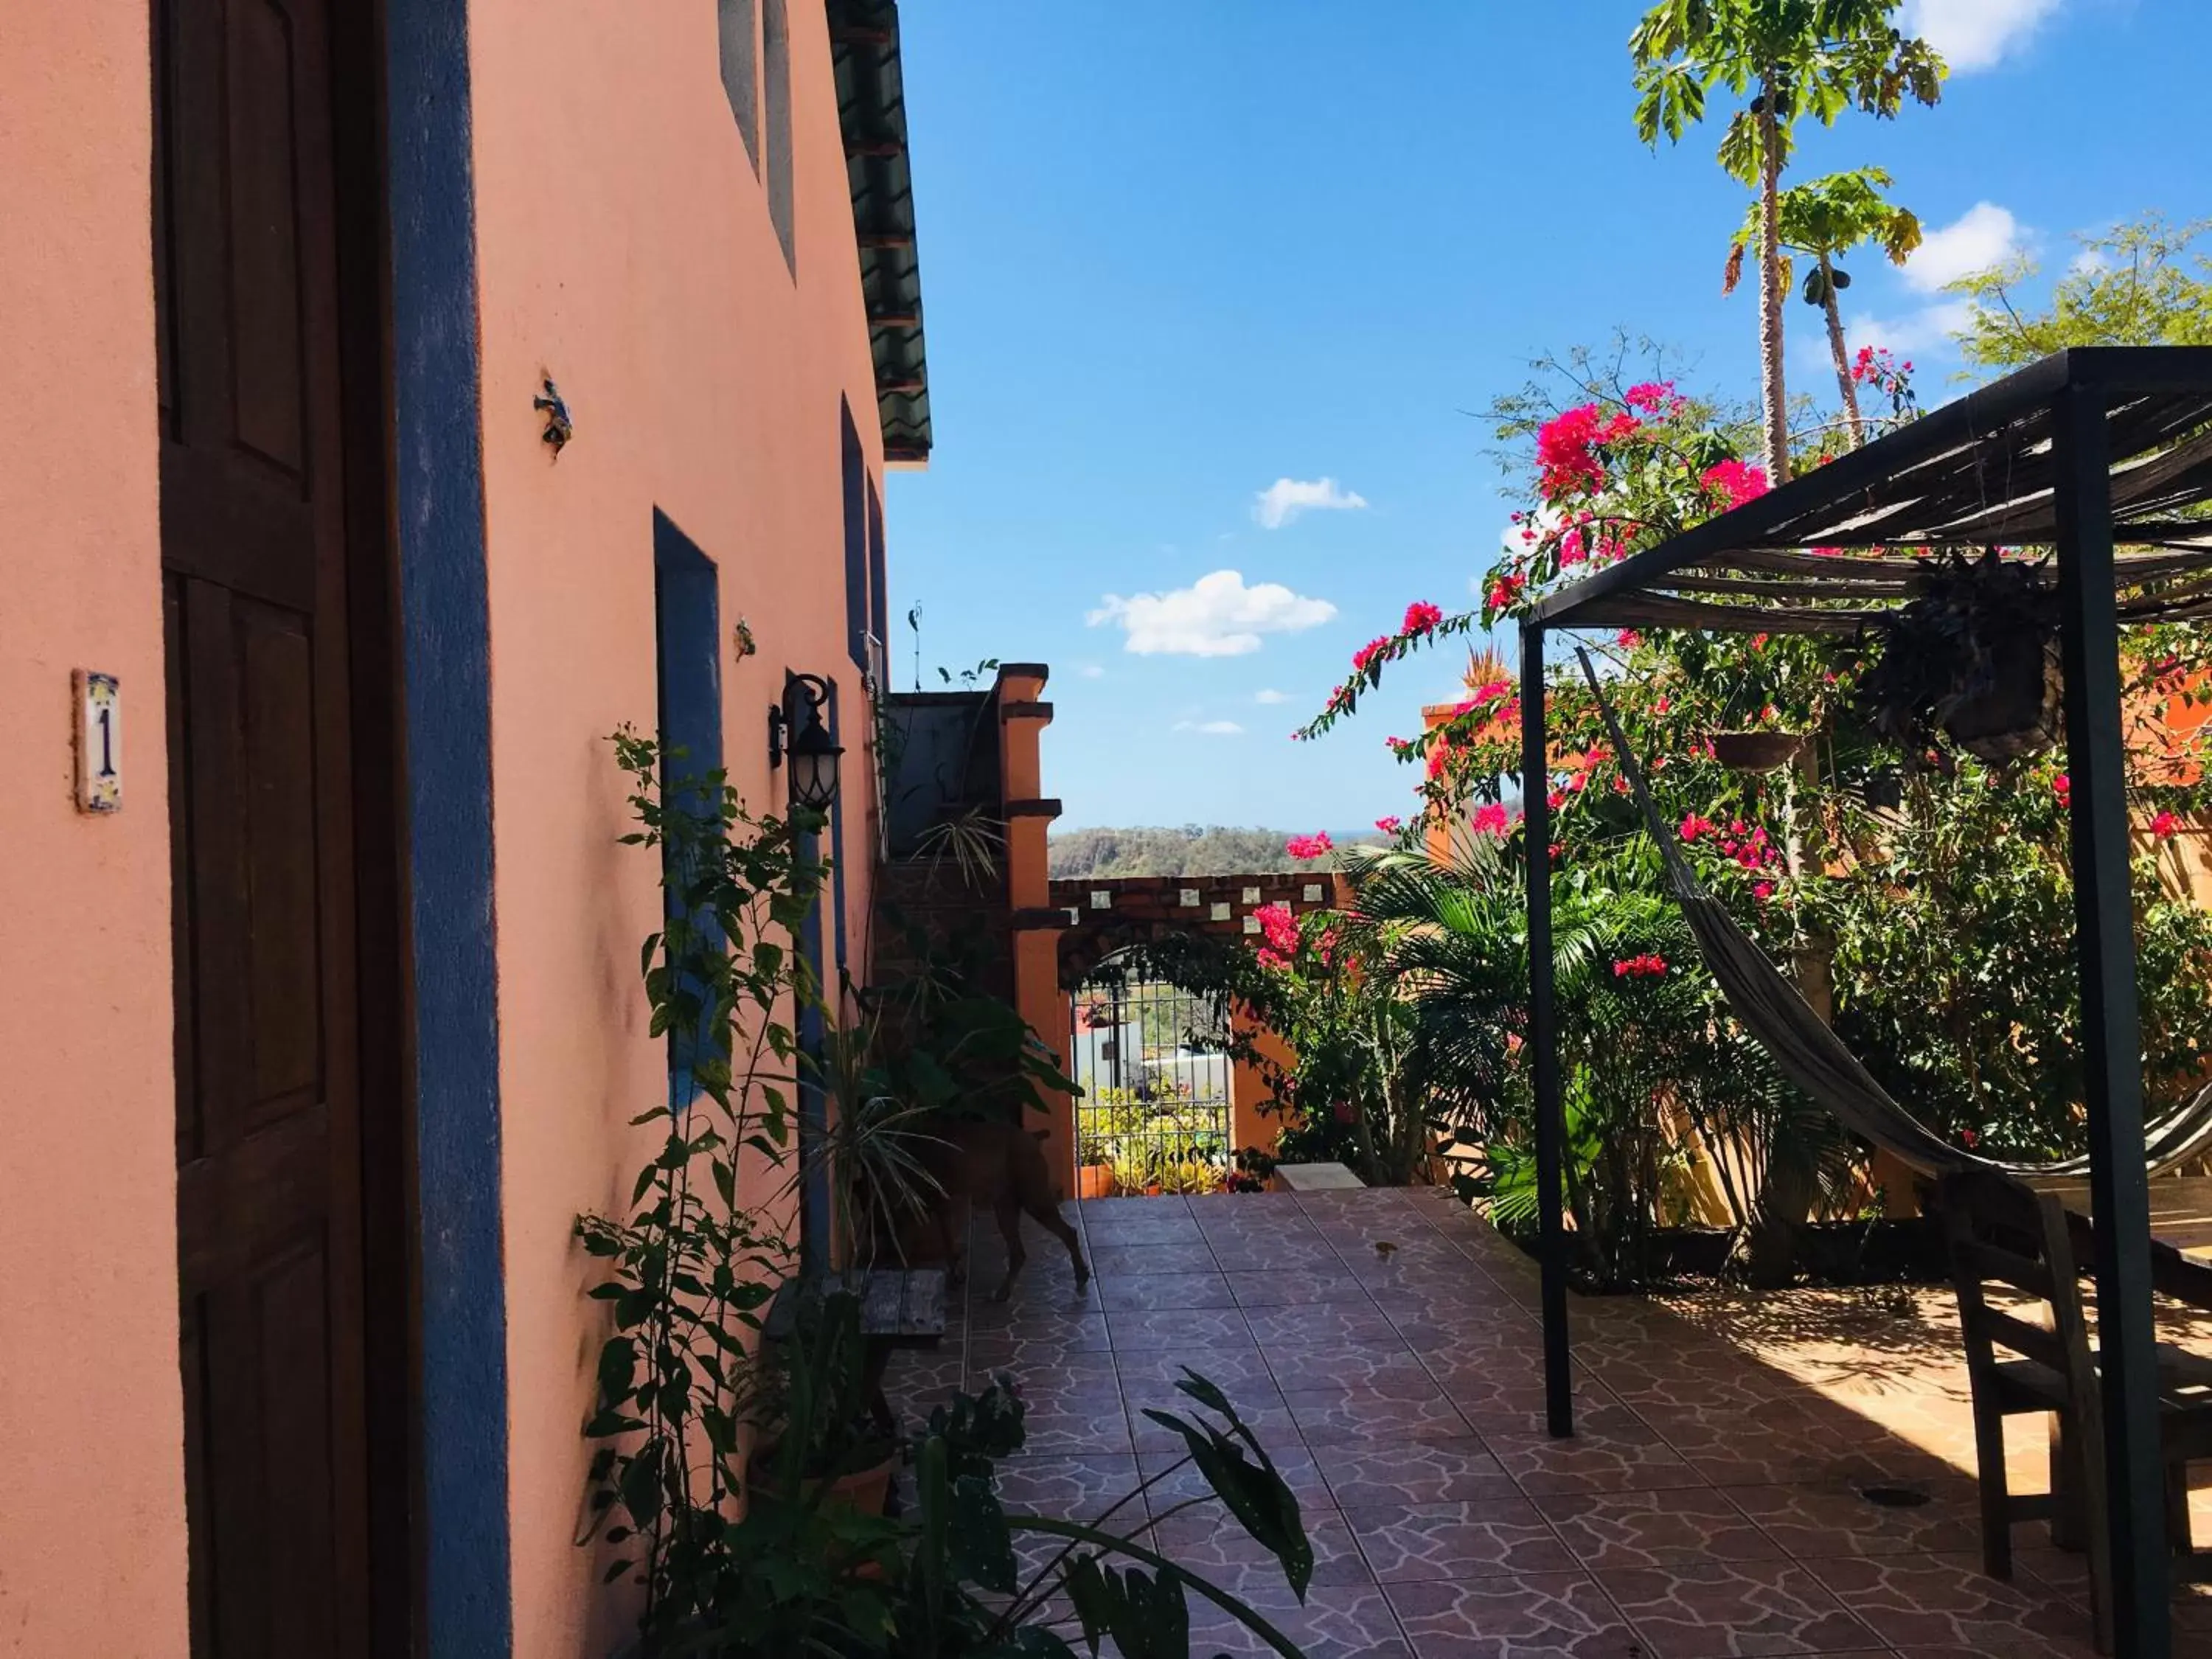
x,y
978,1162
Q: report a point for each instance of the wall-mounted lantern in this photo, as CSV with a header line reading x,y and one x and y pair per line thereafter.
x,y
796,729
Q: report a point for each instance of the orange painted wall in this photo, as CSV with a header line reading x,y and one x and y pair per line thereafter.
x,y
625,248
92,1530
1037,995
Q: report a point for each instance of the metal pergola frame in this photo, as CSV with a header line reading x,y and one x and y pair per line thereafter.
x,y
2085,452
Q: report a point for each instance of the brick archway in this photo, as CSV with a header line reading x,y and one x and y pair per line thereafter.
x,y
1096,918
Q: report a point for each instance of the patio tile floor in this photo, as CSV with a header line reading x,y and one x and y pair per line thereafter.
x,y
1710,1504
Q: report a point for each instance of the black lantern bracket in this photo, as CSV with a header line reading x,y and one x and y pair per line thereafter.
x,y
798,732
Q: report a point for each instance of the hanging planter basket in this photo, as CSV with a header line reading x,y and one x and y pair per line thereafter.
x,y
1757,751
1974,657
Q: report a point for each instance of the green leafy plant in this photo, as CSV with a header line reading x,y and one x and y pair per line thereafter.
x,y
688,1266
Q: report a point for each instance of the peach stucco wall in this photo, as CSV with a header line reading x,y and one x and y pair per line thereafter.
x,y
92,1528
624,247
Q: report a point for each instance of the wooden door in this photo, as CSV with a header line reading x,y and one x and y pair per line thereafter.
x,y
257,572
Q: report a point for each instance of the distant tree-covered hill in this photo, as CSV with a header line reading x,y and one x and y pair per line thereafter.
x,y
1192,850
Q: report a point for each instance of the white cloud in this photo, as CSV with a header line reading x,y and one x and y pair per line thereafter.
x,y
1973,34
1916,330
1211,728
1270,697
1091,671
1217,615
1284,499
2090,262
1985,234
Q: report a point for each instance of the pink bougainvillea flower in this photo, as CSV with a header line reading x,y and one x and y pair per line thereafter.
x,y
1556,798
1506,589
2065,787
2164,825
1278,926
1735,481
1653,397
1346,1112
1694,826
1420,618
1489,820
1565,462
1309,846
1660,705
1439,757
1492,692
1647,966
1628,639
1391,824
1762,890
1369,652
1969,1139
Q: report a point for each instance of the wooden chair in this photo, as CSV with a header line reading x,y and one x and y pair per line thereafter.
x,y
2001,1234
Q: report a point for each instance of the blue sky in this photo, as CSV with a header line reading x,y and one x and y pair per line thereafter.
x,y
1174,252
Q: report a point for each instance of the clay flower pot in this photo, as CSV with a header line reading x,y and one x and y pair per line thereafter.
x,y
1094,1181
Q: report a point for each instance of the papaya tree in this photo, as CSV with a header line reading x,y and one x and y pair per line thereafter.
x,y
1823,220
1784,58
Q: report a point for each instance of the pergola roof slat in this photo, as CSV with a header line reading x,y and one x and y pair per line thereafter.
x,y
1979,472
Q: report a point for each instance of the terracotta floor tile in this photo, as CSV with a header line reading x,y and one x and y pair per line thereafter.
x,y
1506,1406
1337,1621
1078,1325
1226,1364
1329,1324
1177,1327
1291,1287
1131,1261
1366,1412
1327,1365
1669,1528
1403,1542
1240,1252
1079,1425
1018,1346
1946,1600
1591,1462
1070,1488
1210,1542
1384,1378
1164,1290
1041,1373
1713,1608
1370,1473
1834,1518
1562,1615
1179,1481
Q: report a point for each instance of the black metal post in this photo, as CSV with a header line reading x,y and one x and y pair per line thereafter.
x,y
1543,1036
2112,1039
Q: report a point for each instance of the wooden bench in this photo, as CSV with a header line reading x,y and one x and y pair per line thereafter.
x,y
900,1307
1316,1177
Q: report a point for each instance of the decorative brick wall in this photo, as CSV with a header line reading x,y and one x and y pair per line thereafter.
x,y
1096,918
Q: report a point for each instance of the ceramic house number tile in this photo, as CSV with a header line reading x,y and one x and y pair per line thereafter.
x,y
98,742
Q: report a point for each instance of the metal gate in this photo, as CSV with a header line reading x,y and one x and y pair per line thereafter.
x,y
1153,1063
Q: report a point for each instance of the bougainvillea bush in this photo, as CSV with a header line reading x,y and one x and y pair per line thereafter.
x,y
1921,892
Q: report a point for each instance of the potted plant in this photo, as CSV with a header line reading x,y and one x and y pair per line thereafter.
x,y
1094,1165
1972,655
1757,751
818,1438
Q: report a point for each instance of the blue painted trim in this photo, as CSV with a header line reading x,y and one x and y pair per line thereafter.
x,y
446,668
840,873
687,602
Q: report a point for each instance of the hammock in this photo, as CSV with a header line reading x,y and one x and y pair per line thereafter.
x,y
1812,1056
